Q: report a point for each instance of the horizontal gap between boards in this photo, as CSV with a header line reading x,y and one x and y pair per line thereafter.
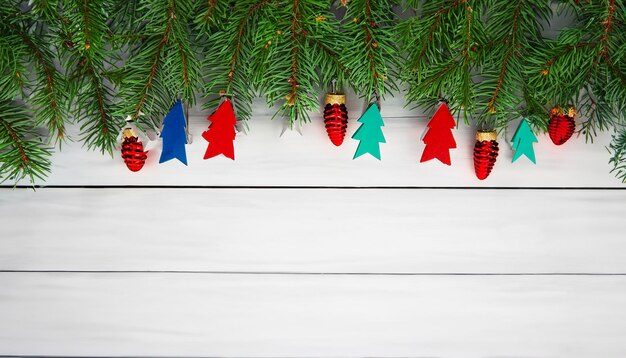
x,y
301,273
185,356
306,187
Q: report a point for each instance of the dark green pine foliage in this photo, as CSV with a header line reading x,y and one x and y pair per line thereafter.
x,y
585,67
28,66
473,53
49,9
618,160
22,151
162,60
513,28
231,31
85,48
371,54
441,44
28,73
296,52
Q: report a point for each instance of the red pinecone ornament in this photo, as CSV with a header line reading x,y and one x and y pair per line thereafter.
x,y
561,126
132,151
485,153
336,117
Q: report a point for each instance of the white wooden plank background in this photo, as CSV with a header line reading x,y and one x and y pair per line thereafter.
x,y
392,231
318,272
313,316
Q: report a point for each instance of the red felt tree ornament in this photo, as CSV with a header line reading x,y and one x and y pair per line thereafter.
x,y
561,126
221,132
485,153
132,151
336,117
439,139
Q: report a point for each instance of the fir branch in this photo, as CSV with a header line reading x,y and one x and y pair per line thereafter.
x,y
564,52
607,25
211,5
515,28
292,97
49,91
86,59
288,65
333,55
239,41
579,67
616,70
444,62
511,42
162,66
213,14
48,8
12,68
22,153
125,20
155,63
433,23
618,158
371,57
228,71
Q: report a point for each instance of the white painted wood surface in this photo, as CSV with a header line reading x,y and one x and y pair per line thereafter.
x,y
188,268
314,316
273,230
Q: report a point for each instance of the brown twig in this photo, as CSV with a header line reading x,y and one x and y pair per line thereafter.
x,y
295,52
166,34
431,32
17,142
47,69
370,45
608,26
511,51
211,7
240,30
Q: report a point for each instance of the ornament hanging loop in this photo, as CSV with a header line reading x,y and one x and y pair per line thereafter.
x,y
186,113
376,97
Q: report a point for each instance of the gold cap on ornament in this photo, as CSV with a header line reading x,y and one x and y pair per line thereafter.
x,y
128,133
335,98
556,111
486,136
572,111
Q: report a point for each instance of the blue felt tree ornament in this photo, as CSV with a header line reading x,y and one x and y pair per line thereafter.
x,y
174,135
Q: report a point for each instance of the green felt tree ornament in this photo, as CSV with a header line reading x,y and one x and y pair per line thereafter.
x,y
523,140
370,133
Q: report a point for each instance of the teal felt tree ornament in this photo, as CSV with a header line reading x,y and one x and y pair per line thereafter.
x,y
523,140
370,133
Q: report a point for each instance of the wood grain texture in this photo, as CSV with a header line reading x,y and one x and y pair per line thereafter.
x,y
391,231
278,316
